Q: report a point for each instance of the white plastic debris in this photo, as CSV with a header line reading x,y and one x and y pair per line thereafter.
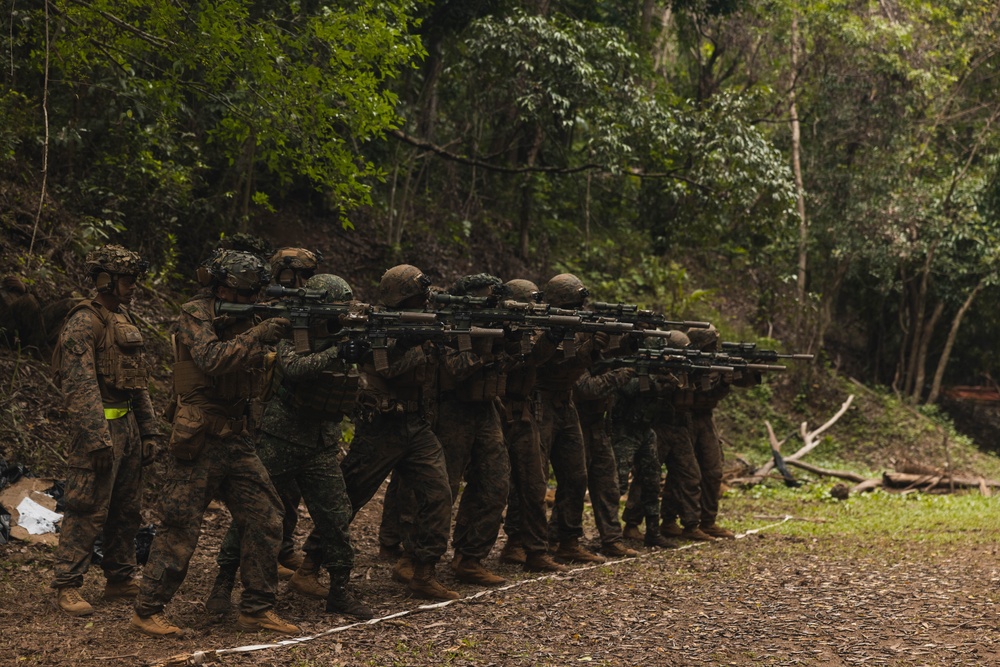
x,y
36,519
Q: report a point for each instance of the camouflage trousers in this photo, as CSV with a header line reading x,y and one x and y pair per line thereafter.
x,y
105,505
524,522
474,449
635,452
228,469
404,444
562,447
318,480
682,491
602,480
229,552
708,449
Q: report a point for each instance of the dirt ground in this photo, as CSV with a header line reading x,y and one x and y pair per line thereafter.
x,y
764,599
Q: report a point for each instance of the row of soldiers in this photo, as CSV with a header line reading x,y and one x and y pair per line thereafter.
x,y
494,412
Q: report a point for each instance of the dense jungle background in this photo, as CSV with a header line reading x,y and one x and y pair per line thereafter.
x,y
816,177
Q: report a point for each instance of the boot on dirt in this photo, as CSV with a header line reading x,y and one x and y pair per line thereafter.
x,y
513,553
291,560
617,550
126,589
541,561
265,620
470,570
696,534
402,571
220,600
656,540
670,529
306,581
570,550
284,574
70,601
715,530
340,599
425,584
156,625
631,532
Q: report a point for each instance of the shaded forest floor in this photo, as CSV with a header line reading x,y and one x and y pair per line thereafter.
x,y
878,579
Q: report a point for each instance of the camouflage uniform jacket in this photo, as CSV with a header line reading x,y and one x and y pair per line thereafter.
x,y
409,384
87,392
475,375
226,360
594,394
559,374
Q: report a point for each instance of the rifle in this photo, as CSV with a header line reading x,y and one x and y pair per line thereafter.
x,y
630,312
750,352
688,361
512,315
358,320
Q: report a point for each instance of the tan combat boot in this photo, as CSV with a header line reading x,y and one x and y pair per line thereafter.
x,y
470,571
156,625
402,571
513,553
695,533
571,551
631,532
618,550
69,600
670,529
541,561
220,599
718,532
425,584
265,620
121,590
291,561
306,581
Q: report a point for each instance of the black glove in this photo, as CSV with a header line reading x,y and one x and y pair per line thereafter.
x,y
272,330
103,459
353,350
148,451
602,341
556,334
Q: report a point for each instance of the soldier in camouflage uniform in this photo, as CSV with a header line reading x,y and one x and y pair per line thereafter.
x,y
637,407
212,452
594,398
524,523
559,423
393,434
299,445
468,426
710,390
100,366
290,267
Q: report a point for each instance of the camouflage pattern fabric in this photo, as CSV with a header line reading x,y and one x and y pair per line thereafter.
x,y
525,518
393,435
227,468
593,395
106,503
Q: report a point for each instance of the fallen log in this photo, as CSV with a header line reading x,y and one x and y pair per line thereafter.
x,y
840,474
904,480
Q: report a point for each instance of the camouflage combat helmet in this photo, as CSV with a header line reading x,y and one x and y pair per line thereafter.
x,y
565,291
336,288
678,339
474,283
233,268
245,242
400,283
287,264
524,291
706,340
115,260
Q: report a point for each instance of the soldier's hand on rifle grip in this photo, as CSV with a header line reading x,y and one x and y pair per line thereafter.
x,y
272,330
602,341
352,350
556,334
148,451
103,459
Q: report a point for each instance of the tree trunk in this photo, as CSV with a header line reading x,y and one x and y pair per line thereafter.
x,y
918,312
528,194
926,331
793,119
950,343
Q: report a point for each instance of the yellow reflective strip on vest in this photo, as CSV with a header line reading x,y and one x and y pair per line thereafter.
x,y
115,413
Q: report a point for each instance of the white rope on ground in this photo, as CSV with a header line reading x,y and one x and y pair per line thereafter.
x,y
201,657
